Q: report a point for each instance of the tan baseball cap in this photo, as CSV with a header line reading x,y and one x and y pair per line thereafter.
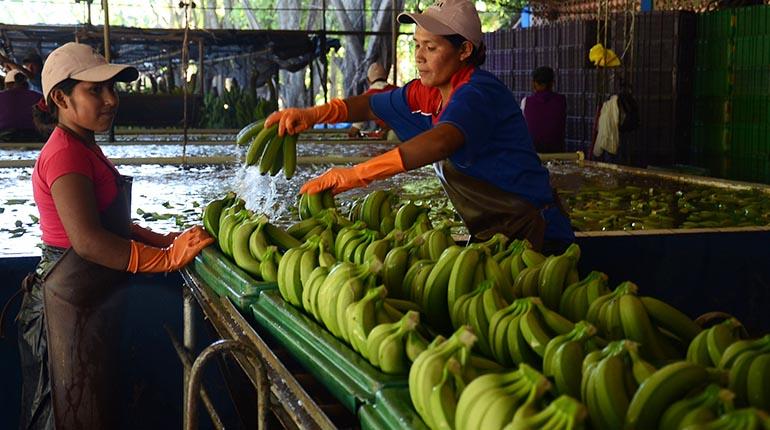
x,y
375,72
445,17
11,76
81,62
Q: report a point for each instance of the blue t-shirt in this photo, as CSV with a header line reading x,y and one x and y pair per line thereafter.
x,y
498,148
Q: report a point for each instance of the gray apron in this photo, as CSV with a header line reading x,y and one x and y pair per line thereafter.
x,y
486,209
80,325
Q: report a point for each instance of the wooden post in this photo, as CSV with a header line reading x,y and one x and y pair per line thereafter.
x,y
394,30
106,8
201,78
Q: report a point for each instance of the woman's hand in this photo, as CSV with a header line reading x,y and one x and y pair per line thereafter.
x,y
339,179
294,120
150,259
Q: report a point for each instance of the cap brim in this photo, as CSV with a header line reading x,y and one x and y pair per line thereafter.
x,y
427,22
105,72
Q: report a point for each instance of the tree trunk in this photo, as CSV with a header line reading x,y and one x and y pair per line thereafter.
x,y
250,15
292,84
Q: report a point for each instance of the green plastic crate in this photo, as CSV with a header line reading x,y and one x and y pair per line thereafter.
x,y
392,410
227,279
346,374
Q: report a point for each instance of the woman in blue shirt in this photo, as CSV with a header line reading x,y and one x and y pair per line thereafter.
x,y
462,119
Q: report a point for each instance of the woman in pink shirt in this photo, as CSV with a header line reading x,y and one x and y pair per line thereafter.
x,y
68,322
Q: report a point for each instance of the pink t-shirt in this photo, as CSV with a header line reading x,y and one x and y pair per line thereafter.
x,y
61,155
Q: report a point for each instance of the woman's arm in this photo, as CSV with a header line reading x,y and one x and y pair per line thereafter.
x,y
359,109
430,146
73,195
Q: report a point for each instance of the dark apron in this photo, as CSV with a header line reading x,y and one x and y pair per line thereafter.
x,y
486,209
81,327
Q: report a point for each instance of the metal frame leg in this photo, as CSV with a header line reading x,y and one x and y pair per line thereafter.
x,y
221,346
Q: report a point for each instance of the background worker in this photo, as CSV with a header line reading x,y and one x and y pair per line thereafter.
x,y
545,112
16,103
70,316
377,78
459,117
31,66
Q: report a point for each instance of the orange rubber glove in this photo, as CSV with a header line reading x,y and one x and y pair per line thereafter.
x,y
295,120
149,237
149,259
339,179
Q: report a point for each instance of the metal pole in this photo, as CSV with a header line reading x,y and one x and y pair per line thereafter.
x,y
325,77
106,8
188,336
394,37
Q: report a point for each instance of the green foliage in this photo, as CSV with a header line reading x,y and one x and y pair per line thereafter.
x,y
234,108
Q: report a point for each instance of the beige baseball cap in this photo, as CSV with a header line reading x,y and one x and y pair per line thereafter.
x,y
81,62
445,17
375,72
11,76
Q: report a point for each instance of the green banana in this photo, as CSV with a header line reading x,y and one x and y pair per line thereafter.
x,y
268,267
391,354
361,318
427,369
670,318
247,133
443,397
290,156
240,245
258,144
213,211
461,277
278,237
661,389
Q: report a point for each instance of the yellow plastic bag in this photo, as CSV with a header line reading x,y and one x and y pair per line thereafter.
x,y
603,57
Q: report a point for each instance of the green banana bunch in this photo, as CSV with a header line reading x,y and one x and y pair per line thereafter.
x,y
476,309
707,347
495,244
742,419
310,291
348,239
313,205
527,283
516,265
415,279
376,211
622,315
702,407
421,226
444,395
669,384
500,329
231,220
241,234
564,413
748,362
385,344
212,212
490,401
434,294
577,297
268,267
428,368
553,276
563,358
462,277
505,259
608,384
349,292
395,266
361,318
436,241
407,215
295,268
379,248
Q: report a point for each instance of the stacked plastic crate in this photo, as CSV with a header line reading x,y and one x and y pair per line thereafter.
x,y
576,80
750,120
658,65
711,134
500,49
